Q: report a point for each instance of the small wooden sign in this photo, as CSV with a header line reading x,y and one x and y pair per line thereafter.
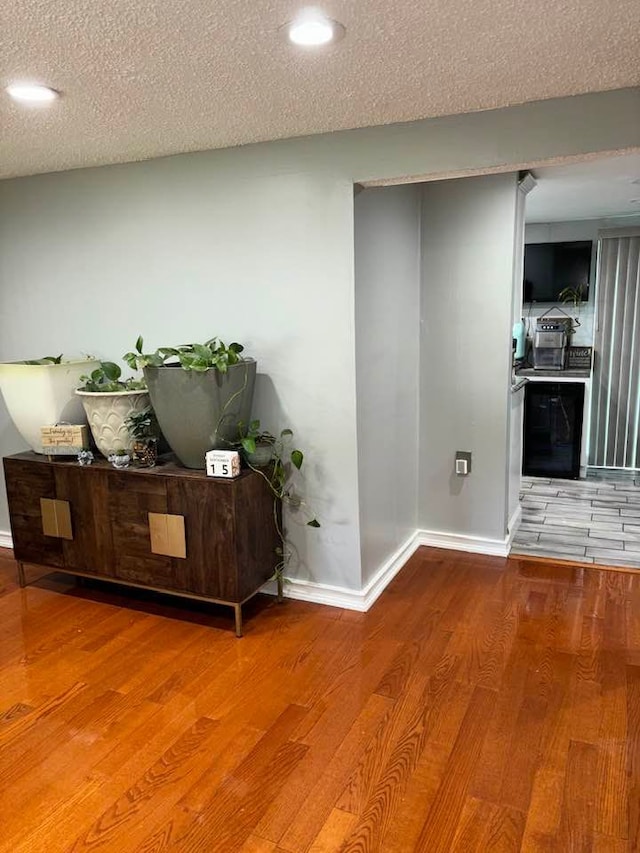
x,y
579,357
64,439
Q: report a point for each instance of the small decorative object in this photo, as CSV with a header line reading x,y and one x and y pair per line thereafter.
x,y
64,439
145,453
85,457
579,357
145,432
120,459
223,463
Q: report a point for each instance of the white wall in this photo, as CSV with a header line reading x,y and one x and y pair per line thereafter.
x,y
468,229
256,243
387,282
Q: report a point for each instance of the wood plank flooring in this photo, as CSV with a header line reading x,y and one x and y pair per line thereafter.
x,y
481,705
594,521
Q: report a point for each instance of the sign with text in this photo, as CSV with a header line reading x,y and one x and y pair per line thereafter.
x,y
223,463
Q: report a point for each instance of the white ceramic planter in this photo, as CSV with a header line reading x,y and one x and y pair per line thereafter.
x,y
107,413
38,395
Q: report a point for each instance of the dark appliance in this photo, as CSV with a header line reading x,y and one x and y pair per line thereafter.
x,y
553,429
550,267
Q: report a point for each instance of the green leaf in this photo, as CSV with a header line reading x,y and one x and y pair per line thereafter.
x,y
249,445
111,370
168,351
203,352
236,347
296,457
48,359
139,344
313,523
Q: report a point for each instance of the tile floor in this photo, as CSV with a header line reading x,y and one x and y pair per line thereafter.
x,y
596,520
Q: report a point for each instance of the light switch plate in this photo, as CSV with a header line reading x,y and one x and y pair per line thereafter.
x,y
463,463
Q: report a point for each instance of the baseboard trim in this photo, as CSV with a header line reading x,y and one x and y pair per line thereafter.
x,y
362,600
460,542
349,599
512,527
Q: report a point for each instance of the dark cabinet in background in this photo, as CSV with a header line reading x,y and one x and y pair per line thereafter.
x,y
553,429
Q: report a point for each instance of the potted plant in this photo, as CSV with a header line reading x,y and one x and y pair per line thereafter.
x,y
145,432
199,393
572,296
274,459
40,393
108,402
258,446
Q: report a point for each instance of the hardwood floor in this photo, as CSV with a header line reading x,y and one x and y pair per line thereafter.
x,y
481,705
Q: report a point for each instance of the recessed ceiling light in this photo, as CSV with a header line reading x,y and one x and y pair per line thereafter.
x,y
311,28
32,93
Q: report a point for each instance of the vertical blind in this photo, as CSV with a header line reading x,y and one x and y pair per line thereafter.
x,y
615,404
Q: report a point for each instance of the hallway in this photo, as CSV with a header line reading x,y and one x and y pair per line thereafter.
x,y
588,521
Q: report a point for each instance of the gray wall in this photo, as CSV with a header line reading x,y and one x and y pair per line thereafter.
x,y
468,229
516,400
180,249
387,267
255,243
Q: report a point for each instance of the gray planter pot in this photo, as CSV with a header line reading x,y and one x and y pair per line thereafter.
x,y
198,412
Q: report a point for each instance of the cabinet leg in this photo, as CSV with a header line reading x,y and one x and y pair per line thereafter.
x,y
21,577
238,612
279,583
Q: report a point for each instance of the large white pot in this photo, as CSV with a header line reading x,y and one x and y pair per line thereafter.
x,y
107,412
38,395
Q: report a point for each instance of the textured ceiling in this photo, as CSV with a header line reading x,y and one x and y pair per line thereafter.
x,y
595,189
144,78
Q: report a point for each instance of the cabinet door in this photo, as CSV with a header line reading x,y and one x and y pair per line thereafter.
x,y
132,497
86,490
210,565
27,482
256,534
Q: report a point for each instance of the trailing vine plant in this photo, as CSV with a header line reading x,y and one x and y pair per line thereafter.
x,y
279,474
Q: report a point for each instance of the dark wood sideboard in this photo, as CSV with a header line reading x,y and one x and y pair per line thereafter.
x,y
168,528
